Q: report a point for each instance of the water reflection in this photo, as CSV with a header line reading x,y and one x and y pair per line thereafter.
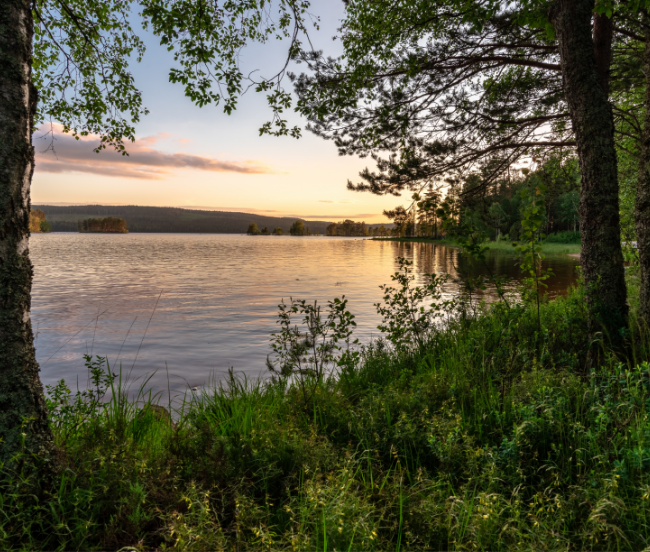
x,y
186,305
431,258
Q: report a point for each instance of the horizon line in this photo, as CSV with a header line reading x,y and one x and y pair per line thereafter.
x,y
270,213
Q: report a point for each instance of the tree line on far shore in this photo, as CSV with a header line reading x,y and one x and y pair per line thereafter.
x,y
109,225
37,222
351,228
346,228
253,230
298,228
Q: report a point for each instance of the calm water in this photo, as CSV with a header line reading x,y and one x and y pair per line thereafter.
x,y
186,305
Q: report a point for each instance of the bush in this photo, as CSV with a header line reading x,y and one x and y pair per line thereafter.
x,y
514,231
563,237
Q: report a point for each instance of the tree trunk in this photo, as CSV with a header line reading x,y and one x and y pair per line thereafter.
x,y
23,416
585,66
603,35
642,203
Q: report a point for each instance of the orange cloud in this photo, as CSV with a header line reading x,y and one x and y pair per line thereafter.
x,y
352,217
229,209
144,162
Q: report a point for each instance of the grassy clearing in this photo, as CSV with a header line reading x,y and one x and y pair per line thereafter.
x,y
548,248
504,247
493,436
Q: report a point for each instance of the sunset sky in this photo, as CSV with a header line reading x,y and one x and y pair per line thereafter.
x,y
193,157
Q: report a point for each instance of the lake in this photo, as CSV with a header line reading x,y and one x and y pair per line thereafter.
x,y
186,306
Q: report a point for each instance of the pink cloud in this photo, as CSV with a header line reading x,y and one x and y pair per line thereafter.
x,y
105,170
144,162
147,140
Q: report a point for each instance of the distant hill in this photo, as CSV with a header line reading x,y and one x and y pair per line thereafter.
x,y
169,219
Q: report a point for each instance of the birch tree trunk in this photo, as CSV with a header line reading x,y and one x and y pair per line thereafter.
x,y
23,417
585,60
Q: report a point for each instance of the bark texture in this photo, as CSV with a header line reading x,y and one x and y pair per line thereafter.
x,y
603,36
23,416
585,68
642,203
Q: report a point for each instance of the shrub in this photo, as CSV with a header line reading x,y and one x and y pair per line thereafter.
x,y
563,237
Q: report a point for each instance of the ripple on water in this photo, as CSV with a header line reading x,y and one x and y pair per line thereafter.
x,y
188,305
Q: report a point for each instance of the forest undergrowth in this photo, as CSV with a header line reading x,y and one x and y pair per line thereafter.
x,y
485,427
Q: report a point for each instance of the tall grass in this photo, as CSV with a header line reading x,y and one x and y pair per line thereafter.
x,y
493,435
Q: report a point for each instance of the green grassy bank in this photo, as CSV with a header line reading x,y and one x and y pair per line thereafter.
x,y
493,436
504,247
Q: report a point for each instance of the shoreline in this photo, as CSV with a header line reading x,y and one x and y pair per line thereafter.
x,y
340,456
504,247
